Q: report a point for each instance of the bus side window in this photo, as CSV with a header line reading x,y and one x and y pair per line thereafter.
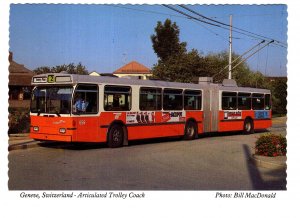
x,y
229,100
244,101
258,101
86,99
267,102
150,98
173,99
192,100
117,98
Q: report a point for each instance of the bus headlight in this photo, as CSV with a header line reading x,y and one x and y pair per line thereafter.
x,y
62,130
35,128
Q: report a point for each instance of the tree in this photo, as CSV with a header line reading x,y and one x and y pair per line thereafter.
x,y
181,68
165,41
216,62
176,64
70,68
59,69
80,69
42,70
279,95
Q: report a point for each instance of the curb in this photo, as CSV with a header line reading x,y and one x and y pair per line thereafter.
x,y
280,165
24,145
18,135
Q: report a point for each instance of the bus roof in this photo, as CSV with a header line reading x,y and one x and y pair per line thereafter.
x,y
60,78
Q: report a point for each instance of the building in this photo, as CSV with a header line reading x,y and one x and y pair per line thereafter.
x,y
19,84
94,73
133,69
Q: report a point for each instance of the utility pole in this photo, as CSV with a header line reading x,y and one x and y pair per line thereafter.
x,y
230,46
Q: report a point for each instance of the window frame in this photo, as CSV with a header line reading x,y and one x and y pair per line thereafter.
x,y
167,93
236,100
270,102
241,96
156,94
45,104
76,89
263,101
127,93
197,95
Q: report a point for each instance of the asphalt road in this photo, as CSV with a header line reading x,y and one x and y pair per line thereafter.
x,y
218,162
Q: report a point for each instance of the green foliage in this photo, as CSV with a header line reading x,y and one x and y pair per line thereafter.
x,y
70,68
179,68
42,70
165,41
271,145
18,120
215,63
247,78
176,64
279,95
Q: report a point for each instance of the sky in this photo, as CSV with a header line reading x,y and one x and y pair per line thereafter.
x,y
106,37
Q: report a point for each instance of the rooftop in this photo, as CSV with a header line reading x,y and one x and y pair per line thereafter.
x,y
19,75
132,68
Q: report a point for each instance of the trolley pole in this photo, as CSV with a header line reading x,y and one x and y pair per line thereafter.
x,y
230,47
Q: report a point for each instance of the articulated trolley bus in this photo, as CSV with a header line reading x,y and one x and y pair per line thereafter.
x,y
82,108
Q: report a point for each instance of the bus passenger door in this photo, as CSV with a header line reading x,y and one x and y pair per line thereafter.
x,y
86,112
206,111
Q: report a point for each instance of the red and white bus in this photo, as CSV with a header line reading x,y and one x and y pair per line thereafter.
x,y
82,108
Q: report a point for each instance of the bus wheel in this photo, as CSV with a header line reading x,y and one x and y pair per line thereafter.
x,y
248,126
115,136
190,130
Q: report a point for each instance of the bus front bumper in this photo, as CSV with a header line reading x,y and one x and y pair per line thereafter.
x,y
49,137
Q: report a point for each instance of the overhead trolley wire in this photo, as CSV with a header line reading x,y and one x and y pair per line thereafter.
x,y
248,15
172,15
191,17
213,32
250,55
217,25
196,19
267,60
203,16
221,25
257,36
216,21
200,20
239,57
144,11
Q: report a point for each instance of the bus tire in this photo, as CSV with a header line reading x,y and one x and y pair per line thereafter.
x,y
248,126
115,136
190,131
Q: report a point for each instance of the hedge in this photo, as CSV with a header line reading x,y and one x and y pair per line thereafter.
x,y
18,120
271,145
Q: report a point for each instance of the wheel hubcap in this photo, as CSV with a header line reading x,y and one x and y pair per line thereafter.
x,y
190,131
116,136
248,127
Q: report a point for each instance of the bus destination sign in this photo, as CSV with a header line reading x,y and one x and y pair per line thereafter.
x,y
50,79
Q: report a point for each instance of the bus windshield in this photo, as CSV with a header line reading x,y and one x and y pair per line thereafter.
x,y
52,100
